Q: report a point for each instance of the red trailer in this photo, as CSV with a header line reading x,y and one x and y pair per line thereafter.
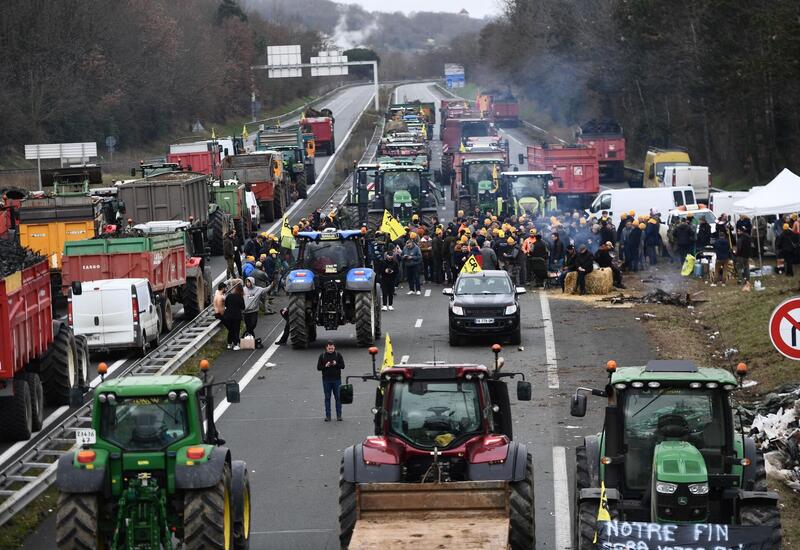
x,y
200,156
608,140
40,359
575,172
322,128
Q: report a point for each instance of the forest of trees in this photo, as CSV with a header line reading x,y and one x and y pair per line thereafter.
x,y
80,70
721,77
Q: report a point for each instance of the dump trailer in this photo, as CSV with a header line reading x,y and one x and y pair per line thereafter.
x,y
199,156
320,123
501,107
162,259
40,358
609,142
263,174
297,151
170,196
438,473
574,168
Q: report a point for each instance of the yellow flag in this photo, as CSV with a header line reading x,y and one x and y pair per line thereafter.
x,y
391,226
462,149
388,354
245,134
425,131
602,511
287,238
471,265
213,134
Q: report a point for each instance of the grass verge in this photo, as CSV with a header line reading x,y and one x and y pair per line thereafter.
x,y
211,351
18,528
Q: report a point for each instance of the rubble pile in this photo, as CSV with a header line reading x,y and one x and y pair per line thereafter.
x,y
658,296
14,257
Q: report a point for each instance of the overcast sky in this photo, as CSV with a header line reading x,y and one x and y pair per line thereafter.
x,y
476,8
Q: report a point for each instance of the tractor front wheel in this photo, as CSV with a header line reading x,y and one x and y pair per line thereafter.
x,y
521,531
240,490
208,516
301,185
298,324
347,508
77,522
366,315
765,514
218,226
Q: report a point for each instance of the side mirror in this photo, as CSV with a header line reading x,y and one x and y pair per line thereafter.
x,y
577,406
521,290
346,394
524,390
77,289
232,392
121,206
447,291
521,159
75,398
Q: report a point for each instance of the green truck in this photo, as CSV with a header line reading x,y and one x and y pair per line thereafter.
x,y
297,149
153,467
231,198
670,452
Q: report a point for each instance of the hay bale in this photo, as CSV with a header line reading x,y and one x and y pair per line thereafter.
x,y
600,281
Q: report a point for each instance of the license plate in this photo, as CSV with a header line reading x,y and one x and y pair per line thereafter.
x,y
94,338
484,321
85,436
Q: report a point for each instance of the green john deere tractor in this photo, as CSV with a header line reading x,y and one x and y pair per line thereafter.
x,y
669,453
403,191
153,467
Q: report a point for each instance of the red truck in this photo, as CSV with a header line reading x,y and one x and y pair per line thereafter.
x,y
575,172
502,108
264,174
40,358
199,156
321,124
608,140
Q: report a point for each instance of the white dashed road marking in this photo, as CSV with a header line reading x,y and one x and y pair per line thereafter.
x,y
549,343
561,498
418,323
428,293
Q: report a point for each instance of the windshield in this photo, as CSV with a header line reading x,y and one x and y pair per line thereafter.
x,y
528,186
480,172
400,181
699,413
474,129
483,285
431,413
330,256
144,423
661,166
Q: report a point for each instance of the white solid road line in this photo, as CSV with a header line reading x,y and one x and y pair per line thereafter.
x,y
561,499
549,343
111,368
260,363
418,323
428,293
404,360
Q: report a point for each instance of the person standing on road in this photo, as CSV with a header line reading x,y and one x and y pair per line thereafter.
x,y
230,251
387,271
331,365
252,302
412,260
785,246
232,318
744,251
219,300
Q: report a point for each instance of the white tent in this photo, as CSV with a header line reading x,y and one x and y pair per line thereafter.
x,y
780,196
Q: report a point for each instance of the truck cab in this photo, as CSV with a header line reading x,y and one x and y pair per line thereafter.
x,y
526,192
657,160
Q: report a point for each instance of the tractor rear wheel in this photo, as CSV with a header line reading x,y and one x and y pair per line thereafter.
x,y
521,532
218,227
77,522
240,492
208,516
167,321
764,514
16,413
58,369
347,508
37,399
301,185
267,211
298,324
193,297
82,347
365,317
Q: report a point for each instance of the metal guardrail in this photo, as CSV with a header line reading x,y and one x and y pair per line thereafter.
x,y
32,470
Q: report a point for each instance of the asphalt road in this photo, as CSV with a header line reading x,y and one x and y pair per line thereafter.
x,y
294,456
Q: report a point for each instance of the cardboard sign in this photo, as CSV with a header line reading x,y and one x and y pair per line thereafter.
x,y
625,535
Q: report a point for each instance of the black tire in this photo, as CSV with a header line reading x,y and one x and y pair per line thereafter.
x,y
347,508
365,318
167,321
58,369
766,514
311,173
217,228
143,348
455,339
267,212
521,530
331,146
208,283
277,203
378,300
16,413
240,494
78,522
301,186
298,324
516,336
37,399
193,297
82,348
206,513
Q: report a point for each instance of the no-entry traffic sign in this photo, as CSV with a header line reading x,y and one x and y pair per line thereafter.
x,y
784,328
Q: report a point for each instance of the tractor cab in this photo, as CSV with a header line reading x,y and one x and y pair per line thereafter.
x,y
670,451
330,253
527,193
481,180
403,191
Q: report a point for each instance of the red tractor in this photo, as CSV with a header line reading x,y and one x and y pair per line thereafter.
x,y
443,452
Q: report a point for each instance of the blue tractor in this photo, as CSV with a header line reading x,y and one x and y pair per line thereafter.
x,y
332,286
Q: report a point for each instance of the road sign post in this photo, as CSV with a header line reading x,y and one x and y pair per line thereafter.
x,y
784,328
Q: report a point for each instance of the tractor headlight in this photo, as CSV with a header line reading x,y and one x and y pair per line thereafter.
x,y
112,399
510,310
102,398
666,488
172,395
698,488
457,310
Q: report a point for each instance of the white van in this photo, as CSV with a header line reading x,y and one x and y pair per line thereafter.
x,y
642,201
115,314
696,177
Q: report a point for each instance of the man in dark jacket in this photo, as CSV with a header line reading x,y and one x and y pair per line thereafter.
x,y
437,254
331,365
744,251
605,259
230,251
684,239
585,264
232,318
785,245
556,252
632,244
722,249
703,234
570,264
